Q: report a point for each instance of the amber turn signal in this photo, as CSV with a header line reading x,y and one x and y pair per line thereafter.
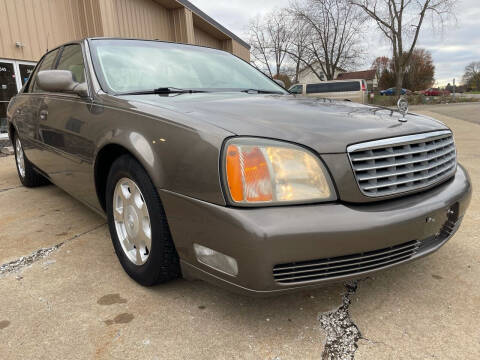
x,y
248,176
234,173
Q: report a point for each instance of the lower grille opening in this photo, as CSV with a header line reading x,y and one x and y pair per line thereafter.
x,y
343,265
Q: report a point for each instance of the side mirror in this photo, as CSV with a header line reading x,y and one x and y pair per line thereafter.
x,y
280,82
60,81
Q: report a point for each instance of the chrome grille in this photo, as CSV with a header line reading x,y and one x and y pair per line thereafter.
x,y
396,165
343,265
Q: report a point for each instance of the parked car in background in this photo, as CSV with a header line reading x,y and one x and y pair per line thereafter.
x,y
205,167
351,90
436,92
392,91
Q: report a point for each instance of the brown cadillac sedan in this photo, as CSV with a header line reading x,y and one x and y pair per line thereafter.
x,y
205,167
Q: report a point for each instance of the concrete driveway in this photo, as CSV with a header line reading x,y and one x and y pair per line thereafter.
x,y
65,296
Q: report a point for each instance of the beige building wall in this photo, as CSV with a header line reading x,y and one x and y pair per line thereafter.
x,y
38,25
182,25
240,50
136,19
205,39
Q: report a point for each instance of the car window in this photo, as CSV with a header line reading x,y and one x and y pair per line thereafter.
x,y
317,88
345,86
333,87
297,89
132,65
72,59
46,64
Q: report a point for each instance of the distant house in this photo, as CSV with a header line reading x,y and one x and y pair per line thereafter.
x,y
369,75
307,76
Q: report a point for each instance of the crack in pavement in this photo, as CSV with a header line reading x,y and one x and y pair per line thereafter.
x,y
10,188
24,261
341,332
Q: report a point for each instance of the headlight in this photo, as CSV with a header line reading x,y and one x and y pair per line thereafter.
x,y
261,171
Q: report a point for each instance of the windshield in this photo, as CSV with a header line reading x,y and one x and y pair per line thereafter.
x,y
124,66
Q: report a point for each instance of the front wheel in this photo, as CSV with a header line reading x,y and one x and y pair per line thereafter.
x,y
138,225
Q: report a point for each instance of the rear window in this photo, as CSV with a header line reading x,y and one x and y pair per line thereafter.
x,y
333,87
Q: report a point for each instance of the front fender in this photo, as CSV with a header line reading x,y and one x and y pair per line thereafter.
x,y
178,158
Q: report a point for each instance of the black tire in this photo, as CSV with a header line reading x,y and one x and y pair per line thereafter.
x,y
163,263
31,178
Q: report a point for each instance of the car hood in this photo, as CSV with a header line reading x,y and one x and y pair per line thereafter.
x,y
325,125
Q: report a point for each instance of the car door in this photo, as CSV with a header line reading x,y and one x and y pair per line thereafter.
x,y
29,105
65,131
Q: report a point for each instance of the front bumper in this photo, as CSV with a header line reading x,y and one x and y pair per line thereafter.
x,y
260,238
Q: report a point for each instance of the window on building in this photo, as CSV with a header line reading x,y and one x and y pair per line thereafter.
x,y
8,88
25,72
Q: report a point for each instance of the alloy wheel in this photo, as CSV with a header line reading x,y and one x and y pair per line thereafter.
x,y
132,221
20,157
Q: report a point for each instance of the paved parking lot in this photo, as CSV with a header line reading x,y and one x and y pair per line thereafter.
x,y
463,111
65,296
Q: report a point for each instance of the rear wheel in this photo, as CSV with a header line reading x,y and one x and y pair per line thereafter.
x,y
138,225
26,172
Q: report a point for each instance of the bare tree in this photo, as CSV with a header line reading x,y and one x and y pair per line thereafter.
x,y
334,28
471,77
298,52
270,38
280,35
401,21
260,46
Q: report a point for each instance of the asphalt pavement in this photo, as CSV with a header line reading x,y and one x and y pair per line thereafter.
x,y
463,111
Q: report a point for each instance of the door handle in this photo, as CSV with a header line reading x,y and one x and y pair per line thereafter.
x,y
43,115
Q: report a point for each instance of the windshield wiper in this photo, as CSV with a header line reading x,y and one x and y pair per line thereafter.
x,y
260,91
163,90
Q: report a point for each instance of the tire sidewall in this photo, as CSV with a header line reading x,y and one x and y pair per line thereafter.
x,y
127,167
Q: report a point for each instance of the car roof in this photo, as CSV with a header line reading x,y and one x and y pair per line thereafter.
x,y
151,40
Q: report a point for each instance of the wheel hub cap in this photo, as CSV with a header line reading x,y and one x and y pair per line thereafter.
x,y
132,221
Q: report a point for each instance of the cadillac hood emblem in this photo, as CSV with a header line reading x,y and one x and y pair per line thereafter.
x,y
402,105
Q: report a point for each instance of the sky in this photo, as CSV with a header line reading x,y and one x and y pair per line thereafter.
x,y
452,49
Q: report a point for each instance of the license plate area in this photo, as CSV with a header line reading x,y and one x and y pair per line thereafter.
x,y
443,224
